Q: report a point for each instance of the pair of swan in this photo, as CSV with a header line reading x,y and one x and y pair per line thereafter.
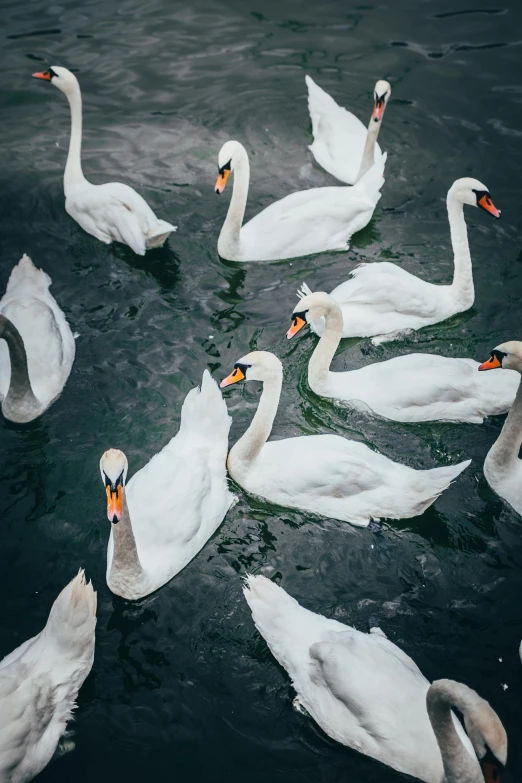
x,y
169,509
415,387
318,219
324,474
37,346
382,301
502,466
39,682
112,212
366,693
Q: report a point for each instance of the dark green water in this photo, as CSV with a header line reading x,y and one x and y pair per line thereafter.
x,y
183,689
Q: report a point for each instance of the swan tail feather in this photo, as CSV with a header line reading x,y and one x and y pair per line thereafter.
x,y
204,412
273,610
26,272
305,290
436,480
72,619
159,234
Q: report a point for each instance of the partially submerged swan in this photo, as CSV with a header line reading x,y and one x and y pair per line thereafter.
x,y
415,387
171,507
366,693
36,347
39,682
342,145
502,466
382,300
112,212
305,222
324,474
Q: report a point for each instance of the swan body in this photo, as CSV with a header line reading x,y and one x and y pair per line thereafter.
x,y
383,301
324,474
112,212
342,145
39,682
502,466
305,222
366,693
37,349
172,506
415,387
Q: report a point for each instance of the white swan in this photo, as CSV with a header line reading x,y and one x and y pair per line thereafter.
x,y
502,467
175,502
366,693
39,682
381,300
37,346
112,212
324,474
342,145
415,387
305,222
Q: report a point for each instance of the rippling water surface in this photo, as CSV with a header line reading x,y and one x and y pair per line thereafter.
x,y
183,688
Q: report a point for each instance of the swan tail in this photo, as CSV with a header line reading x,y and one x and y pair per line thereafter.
x,y
72,620
305,290
25,272
436,480
204,412
159,234
372,182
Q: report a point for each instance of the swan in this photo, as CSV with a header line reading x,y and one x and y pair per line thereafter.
x,y
502,467
383,301
112,212
324,474
309,221
39,682
171,507
415,387
342,145
366,693
37,346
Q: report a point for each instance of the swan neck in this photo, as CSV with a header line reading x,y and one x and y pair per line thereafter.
x,y
463,276
321,359
459,765
73,168
20,392
125,566
230,232
505,450
250,444
368,157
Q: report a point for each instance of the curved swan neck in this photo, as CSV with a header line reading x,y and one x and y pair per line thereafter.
x,y
463,276
250,444
73,168
368,157
231,229
20,393
459,765
125,567
505,450
321,359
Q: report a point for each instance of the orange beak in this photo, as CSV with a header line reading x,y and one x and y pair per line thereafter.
x,y
235,376
297,325
222,180
491,364
45,75
491,772
378,109
486,203
114,503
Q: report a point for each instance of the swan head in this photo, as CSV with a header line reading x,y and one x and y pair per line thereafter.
x,y
59,77
470,191
507,356
310,308
229,155
488,737
113,469
381,96
255,366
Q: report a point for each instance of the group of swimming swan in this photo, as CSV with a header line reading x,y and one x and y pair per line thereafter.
x,y
363,690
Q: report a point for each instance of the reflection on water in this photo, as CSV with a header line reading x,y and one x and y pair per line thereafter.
x,y
182,683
